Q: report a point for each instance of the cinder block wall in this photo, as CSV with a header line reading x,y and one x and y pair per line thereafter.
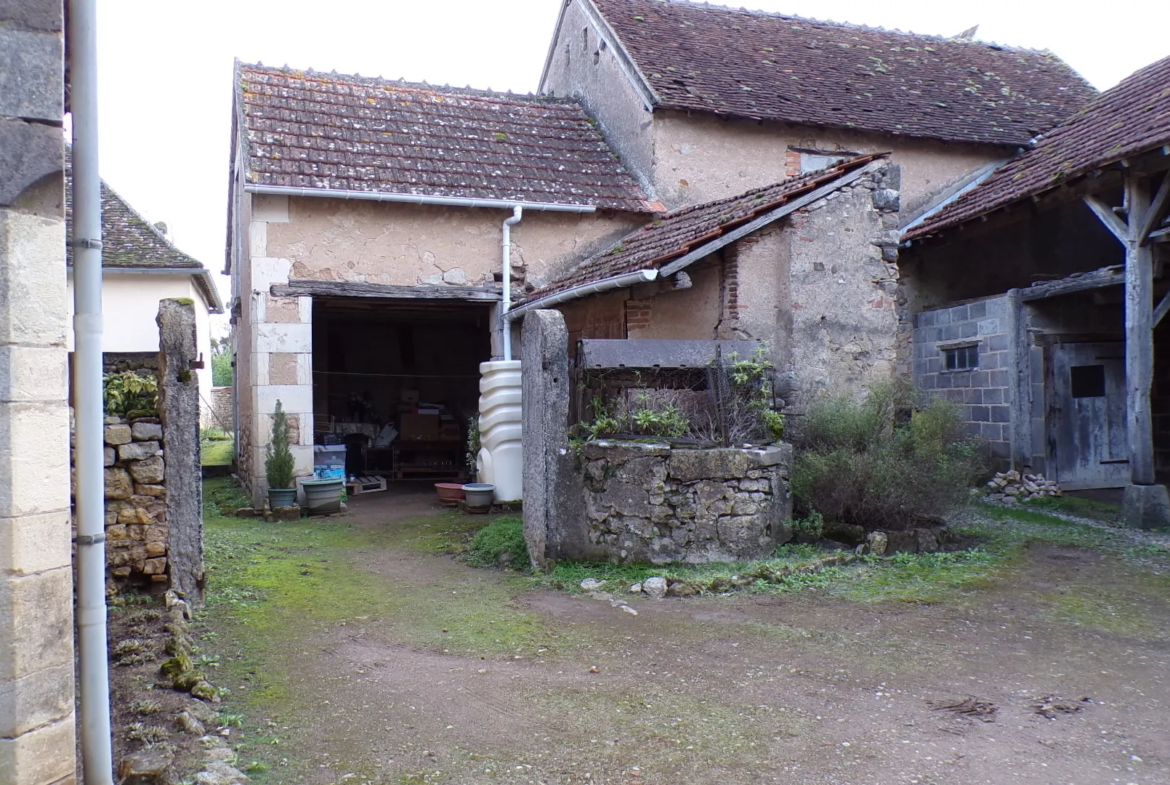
x,y
36,579
983,392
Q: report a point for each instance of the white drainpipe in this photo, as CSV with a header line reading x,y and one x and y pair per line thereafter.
x,y
506,296
88,406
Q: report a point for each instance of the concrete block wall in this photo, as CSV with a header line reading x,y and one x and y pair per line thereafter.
x,y
985,392
279,340
36,577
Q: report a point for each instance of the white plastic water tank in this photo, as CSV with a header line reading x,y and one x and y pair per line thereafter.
x,y
500,461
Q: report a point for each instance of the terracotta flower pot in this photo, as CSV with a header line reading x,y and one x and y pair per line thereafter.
x,y
450,493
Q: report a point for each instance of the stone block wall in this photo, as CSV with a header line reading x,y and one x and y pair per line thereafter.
x,y
136,501
221,412
37,743
654,503
984,392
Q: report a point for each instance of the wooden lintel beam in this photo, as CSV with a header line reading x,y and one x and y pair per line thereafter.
x,y
1106,215
385,291
1157,208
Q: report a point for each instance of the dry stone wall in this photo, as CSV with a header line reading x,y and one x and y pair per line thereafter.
x,y
136,501
658,504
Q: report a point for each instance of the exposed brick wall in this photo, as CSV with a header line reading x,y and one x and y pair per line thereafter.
x,y
638,314
984,393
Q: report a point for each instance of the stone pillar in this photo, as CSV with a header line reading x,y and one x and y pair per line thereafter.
x,y
178,408
281,350
36,579
552,492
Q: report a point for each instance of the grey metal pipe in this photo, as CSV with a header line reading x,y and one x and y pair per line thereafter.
x,y
584,290
88,408
449,201
506,295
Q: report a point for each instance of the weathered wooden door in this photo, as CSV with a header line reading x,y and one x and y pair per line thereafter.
x,y
1087,430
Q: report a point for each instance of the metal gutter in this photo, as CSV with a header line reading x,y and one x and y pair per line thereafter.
x,y
584,290
975,180
447,201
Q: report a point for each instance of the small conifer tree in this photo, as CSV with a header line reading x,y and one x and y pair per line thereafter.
x,y
278,464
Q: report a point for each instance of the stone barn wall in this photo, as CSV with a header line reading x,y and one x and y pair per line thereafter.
x,y
221,413
654,503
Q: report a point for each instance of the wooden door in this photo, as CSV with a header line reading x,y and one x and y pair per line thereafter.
x,y
1087,430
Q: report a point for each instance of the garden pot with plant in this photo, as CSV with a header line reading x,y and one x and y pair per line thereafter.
x,y
279,463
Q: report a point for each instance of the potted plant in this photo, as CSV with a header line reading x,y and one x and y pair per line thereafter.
x,y
279,463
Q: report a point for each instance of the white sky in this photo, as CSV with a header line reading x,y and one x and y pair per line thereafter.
x,y
165,67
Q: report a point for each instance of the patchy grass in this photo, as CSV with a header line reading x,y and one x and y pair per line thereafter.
x,y
273,587
1106,512
919,577
216,452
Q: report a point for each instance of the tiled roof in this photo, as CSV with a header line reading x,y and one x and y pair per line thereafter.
x,y
1129,119
677,233
128,239
313,130
768,66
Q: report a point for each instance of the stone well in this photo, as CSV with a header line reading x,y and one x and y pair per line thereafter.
x,y
655,503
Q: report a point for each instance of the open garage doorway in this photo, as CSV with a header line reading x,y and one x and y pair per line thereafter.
x,y
396,388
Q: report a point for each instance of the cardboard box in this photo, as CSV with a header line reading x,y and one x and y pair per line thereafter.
x,y
409,396
419,427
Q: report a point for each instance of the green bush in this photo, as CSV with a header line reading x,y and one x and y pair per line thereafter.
x,y
500,543
886,462
129,394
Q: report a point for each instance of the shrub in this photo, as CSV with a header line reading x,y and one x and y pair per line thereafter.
x,y
884,462
500,543
279,463
129,394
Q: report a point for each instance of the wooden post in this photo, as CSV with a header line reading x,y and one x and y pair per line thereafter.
x,y
1139,333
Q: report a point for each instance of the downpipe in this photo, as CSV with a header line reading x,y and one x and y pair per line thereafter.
x,y
506,296
88,409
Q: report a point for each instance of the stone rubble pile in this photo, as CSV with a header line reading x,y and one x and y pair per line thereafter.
x,y
1013,486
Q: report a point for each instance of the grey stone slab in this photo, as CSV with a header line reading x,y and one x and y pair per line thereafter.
x,y
942,317
32,74
997,306
976,310
1001,414
997,378
973,395
968,330
998,343
989,326
992,395
29,152
42,15
949,333
959,314
980,414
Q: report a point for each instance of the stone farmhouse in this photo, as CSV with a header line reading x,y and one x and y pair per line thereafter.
x,y
1039,298
685,171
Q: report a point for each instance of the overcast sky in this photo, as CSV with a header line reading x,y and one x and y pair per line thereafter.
x,y
165,67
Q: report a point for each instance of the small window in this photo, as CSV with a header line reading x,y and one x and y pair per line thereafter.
x,y
1087,381
961,358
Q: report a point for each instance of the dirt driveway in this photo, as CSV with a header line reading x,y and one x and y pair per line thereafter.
x,y
397,663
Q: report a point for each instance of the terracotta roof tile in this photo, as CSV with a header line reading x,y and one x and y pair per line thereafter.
x,y
1129,119
312,130
769,66
677,233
